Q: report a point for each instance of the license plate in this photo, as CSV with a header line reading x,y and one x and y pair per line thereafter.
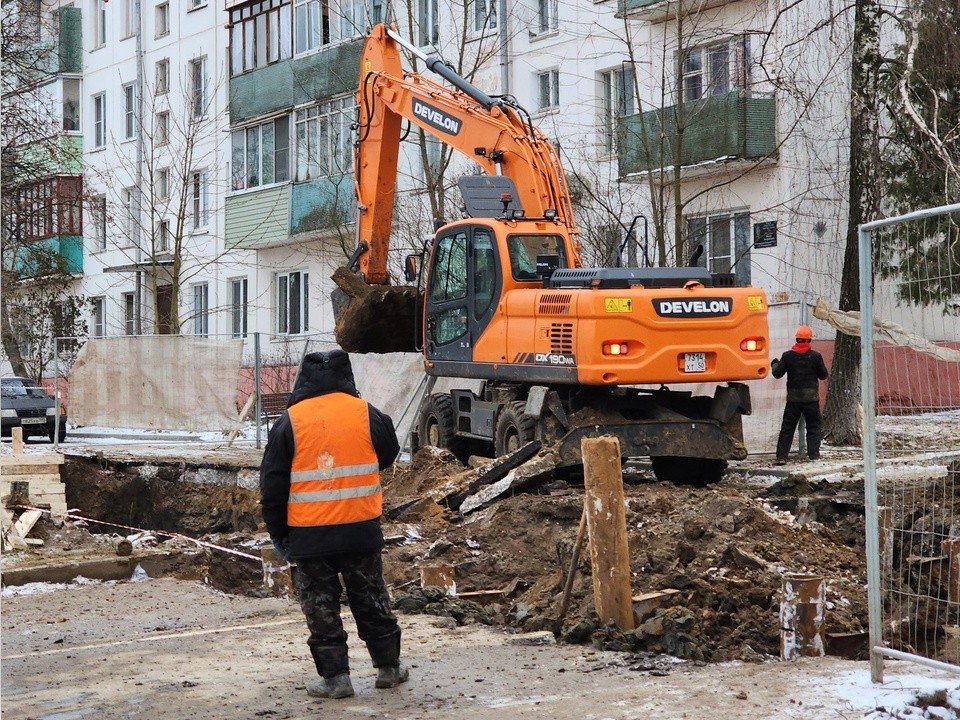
x,y
32,421
695,362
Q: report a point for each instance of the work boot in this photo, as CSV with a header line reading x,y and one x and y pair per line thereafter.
x,y
780,461
389,676
336,687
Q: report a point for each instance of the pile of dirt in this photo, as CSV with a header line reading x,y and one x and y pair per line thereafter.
x,y
722,549
373,318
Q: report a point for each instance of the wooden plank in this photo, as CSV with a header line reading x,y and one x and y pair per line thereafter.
x,y
607,524
27,520
9,537
37,458
45,469
35,481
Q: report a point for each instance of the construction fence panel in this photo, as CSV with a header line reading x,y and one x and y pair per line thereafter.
x,y
910,376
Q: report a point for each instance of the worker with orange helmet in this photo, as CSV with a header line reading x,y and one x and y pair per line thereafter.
x,y
804,369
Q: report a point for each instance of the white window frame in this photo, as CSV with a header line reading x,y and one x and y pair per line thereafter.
x,y
161,84
548,21
161,19
317,23
127,219
239,305
197,74
128,19
161,184
129,111
428,22
163,236
284,318
548,90
129,300
200,294
196,4
323,142
241,139
200,199
99,24
484,16
619,100
98,213
703,72
98,312
99,120
161,128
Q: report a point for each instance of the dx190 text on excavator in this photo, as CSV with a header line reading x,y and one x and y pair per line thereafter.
x,y
547,349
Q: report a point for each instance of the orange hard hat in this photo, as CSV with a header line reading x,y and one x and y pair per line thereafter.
x,y
804,333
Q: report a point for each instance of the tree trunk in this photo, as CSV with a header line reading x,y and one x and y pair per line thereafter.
x,y
10,345
841,420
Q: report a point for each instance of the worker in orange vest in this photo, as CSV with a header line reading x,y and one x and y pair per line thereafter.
x,y
321,499
804,369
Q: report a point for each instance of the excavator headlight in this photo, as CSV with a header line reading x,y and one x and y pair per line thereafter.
x,y
753,344
615,347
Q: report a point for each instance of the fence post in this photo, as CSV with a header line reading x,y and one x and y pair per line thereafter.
x,y
868,402
256,382
56,394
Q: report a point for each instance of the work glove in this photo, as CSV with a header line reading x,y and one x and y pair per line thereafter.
x,y
774,363
282,546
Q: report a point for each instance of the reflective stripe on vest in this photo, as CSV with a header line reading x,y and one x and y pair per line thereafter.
x,y
335,475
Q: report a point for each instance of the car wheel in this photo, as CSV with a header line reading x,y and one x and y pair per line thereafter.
x,y
61,436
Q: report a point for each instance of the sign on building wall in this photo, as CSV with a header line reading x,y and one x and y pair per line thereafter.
x,y
765,234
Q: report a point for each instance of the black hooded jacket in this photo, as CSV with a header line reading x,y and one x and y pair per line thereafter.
x,y
804,371
320,374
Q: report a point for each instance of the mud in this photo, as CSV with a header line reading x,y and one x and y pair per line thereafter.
x,y
373,318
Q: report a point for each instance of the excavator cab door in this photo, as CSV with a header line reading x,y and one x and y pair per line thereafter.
x,y
462,291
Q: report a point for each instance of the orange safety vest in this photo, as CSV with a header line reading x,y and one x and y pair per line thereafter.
x,y
335,475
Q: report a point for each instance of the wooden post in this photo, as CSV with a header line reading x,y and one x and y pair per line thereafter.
x,y
607,524
16,441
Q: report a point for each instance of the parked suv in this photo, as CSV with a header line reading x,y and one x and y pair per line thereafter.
x,y
25,404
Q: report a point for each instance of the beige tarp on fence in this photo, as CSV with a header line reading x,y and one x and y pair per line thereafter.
x,y
156,382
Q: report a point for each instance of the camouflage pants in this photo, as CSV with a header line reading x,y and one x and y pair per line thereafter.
x,y
318,586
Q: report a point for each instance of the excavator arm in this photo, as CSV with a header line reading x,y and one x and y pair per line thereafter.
x,y
493,132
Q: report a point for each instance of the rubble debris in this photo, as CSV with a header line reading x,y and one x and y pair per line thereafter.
x,y
433,600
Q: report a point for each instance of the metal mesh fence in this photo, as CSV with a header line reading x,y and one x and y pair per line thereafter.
x,y
910,374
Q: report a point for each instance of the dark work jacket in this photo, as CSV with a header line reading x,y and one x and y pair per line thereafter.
x,y
360,538
804,372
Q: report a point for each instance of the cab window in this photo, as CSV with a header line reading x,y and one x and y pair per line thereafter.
x,y
484,272
525,249
448,281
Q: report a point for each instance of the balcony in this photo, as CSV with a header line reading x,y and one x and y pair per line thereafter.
x,y
723,128
270,217
329,72
62,52
661,10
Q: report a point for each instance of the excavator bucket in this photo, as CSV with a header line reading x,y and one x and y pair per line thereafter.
x,y
373,318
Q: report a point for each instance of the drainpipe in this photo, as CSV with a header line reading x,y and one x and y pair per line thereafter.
x,y
138,193
504,47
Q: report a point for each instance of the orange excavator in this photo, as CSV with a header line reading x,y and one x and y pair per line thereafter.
x,y
536,346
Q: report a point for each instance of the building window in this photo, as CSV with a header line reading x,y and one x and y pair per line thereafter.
x,y
128,18
129,111
98,212
71,104
98,312
161,129
428,21
324,145
99,23
127,217
161,85
238,307
319,22
548,84
619,100
484,15
162,20
200,194
201,309
260,34
162,184
198,87
726,243
260,155
716,69
194,4
547,11
378,11
99,120
163,236
293,303
129,313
